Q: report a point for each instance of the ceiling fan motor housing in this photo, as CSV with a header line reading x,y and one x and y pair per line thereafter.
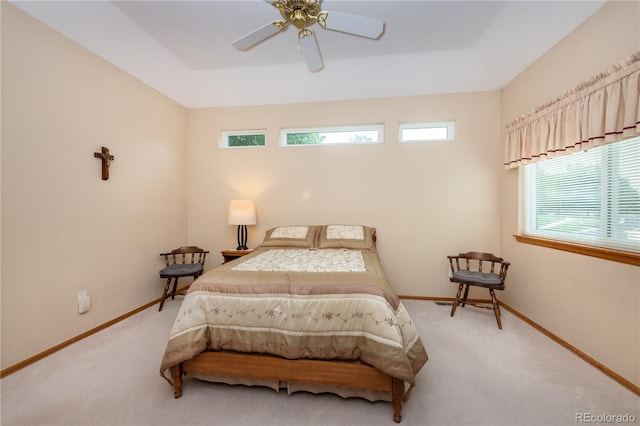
x,y
301,13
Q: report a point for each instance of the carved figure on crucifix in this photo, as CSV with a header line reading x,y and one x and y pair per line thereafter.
x,y
106,161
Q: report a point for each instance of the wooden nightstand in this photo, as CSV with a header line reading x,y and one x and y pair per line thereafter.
x,y
231,254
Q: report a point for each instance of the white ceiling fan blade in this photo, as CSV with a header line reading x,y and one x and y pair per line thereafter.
x,y
353,24
310,51
257,36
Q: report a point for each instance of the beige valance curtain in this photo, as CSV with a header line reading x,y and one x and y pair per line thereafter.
x,y
601,110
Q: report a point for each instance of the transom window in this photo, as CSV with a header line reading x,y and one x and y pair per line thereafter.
x,y
333,135
427,132
590,197
243,138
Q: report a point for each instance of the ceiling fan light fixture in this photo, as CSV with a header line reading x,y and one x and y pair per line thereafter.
x,y
299,18
301,13
304,13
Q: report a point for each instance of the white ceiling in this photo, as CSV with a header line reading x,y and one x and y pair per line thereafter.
x,y
183,48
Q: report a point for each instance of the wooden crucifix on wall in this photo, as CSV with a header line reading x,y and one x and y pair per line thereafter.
x,y
106,161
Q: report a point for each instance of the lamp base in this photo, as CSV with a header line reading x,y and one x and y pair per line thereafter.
x,y
242,238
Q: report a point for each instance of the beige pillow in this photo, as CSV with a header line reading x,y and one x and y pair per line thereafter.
x,y
301,236
357,237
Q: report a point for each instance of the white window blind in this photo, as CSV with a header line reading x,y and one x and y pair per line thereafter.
x,y
590,197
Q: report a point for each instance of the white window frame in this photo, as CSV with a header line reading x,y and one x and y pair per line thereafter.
x,y
450,127
603,238
378,128
225,134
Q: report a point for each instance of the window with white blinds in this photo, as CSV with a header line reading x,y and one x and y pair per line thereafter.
x,y
590,197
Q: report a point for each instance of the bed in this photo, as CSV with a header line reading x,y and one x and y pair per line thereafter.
x,y
310,309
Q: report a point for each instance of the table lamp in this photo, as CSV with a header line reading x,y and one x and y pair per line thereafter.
x,y
242,213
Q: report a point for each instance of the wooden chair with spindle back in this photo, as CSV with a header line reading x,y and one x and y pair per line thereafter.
x,y
186,261
481,270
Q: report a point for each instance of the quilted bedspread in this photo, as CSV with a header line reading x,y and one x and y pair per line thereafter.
x,y
299,303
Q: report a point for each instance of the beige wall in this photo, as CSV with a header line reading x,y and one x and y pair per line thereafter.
x,y
427,200
591,303
65,230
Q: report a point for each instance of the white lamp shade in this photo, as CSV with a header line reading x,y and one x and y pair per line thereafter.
x,y
242,212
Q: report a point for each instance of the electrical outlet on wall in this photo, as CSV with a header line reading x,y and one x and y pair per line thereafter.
x,y
84,302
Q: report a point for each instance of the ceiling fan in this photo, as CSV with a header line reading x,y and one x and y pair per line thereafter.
x,y
304,13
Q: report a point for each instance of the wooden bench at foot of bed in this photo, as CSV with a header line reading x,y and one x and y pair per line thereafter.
x,y
260,366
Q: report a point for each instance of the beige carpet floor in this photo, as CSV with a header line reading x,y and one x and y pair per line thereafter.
x,y
476,375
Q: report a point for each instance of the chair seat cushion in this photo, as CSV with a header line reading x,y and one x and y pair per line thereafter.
x,y
485,278
181,270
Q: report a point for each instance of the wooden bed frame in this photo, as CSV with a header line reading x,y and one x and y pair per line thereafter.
x,y
321,372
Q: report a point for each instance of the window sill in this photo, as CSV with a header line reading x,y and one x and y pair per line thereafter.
x,y
602,253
